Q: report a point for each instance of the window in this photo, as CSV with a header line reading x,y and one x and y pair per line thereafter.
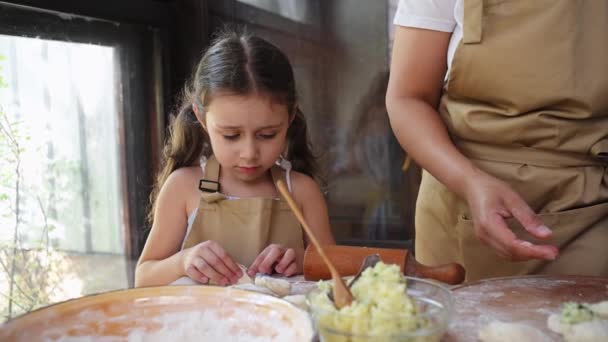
x,y
297,10
73,183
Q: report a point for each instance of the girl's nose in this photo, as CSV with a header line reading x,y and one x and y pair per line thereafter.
x,y
250,150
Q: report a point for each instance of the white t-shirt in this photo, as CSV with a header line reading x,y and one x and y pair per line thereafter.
x,y
437,15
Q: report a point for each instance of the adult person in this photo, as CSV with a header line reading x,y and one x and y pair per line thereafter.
x,y
505,106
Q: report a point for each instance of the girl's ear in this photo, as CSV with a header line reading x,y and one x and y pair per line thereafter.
x,y
199,115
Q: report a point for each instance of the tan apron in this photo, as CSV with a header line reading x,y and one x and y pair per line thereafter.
x,y
243,227
527,100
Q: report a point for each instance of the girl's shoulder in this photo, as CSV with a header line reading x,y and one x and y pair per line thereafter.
x,y
184,178
303,184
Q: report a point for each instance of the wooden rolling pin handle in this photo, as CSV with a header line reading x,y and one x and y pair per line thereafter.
x,y
348,259
451,273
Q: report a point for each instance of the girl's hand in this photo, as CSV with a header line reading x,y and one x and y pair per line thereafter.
x,y
277,258
491,201
209,261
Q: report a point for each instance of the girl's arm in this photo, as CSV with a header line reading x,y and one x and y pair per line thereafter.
x,y
314,207
161,261
419,64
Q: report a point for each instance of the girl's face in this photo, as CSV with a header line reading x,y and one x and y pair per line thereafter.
x,y
247,133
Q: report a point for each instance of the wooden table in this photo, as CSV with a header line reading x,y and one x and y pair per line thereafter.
x,y
529,300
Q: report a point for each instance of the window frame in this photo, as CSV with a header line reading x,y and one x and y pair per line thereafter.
x,y
140,100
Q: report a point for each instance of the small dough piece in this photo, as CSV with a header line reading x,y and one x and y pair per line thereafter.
x,y
254,288
298,300
601,309
595,330
498,331
245,278
280,287
186,281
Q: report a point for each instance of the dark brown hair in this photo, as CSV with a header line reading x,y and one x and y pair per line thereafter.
x,y
236,63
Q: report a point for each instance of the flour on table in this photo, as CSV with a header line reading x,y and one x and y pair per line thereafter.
x,y
498,331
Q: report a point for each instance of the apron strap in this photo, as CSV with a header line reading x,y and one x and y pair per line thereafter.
x,y
210,182
472,25
277,173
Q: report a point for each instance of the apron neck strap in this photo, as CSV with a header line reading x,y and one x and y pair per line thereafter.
x,y
210,182
472,24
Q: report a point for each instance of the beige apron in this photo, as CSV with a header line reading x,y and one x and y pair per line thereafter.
x,y
243,227
527,100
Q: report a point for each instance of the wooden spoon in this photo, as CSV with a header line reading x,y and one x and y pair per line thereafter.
x,y
341,293
369,262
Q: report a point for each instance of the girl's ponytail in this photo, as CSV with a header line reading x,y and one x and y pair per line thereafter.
x,y
187,142
299,150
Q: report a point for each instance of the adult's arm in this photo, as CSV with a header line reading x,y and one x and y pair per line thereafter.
x,y
418,68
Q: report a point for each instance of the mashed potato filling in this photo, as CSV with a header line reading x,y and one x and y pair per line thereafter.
x,y
381,306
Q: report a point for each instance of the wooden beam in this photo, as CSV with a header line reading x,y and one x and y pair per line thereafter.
x,y
151,12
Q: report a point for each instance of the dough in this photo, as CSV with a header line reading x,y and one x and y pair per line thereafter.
x,y
595,330
245,278
498,331
601,309
254,288
298,300
280,287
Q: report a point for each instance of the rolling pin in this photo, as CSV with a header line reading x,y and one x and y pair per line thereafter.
x,y
348,259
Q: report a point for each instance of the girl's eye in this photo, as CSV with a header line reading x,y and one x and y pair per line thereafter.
x,y
268,136
231,137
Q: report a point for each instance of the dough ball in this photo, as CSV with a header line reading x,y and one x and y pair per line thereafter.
x,y
497,331
601,309
280,287
595,330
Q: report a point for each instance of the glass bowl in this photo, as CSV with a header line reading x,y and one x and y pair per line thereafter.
x,y
434,304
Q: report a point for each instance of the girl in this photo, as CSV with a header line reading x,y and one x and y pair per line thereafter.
x,y
215,204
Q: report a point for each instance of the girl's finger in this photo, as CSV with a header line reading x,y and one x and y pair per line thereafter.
x,y
218,265
273,255
254,268
288,257
195,275
206,269
234,270
292,269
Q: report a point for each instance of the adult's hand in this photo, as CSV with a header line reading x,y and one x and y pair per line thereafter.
x,y
208,261
491,201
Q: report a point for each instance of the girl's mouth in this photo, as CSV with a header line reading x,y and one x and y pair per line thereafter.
x,y
248,170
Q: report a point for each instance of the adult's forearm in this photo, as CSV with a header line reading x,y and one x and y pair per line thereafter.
x,y
422,133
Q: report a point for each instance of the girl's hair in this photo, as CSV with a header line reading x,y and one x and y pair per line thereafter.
x,y
236,64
